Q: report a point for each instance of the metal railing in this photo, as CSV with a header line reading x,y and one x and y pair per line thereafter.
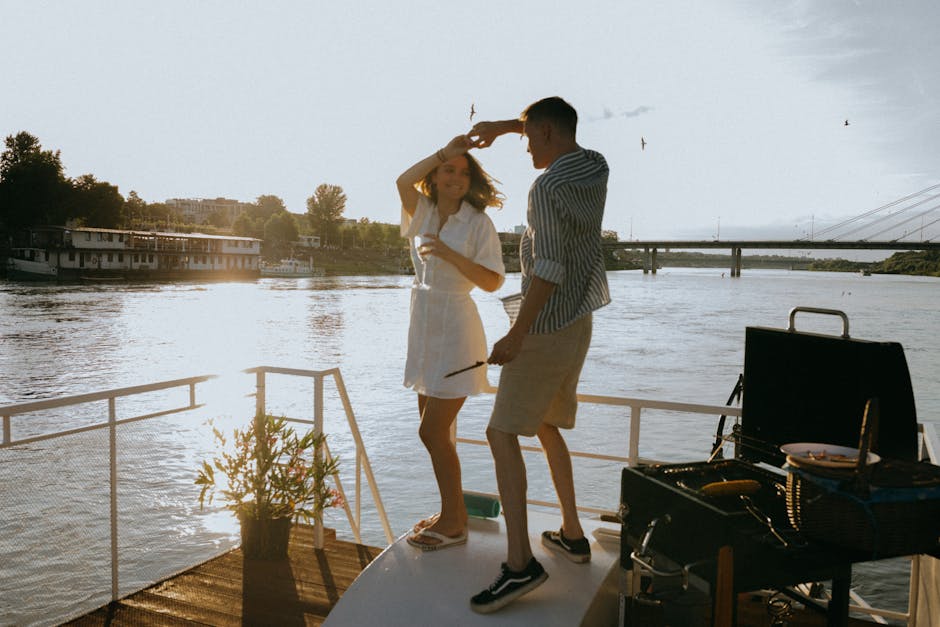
x,y
636,405
362,459
9,411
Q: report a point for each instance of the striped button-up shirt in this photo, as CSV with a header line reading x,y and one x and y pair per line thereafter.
x,y
562,243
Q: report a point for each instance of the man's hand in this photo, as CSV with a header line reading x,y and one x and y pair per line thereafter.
x,y
506,349
483,134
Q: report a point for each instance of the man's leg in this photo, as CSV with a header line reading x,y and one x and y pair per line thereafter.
x,y
520,573
512,485
559,463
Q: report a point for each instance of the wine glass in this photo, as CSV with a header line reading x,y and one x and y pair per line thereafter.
x,y
421,241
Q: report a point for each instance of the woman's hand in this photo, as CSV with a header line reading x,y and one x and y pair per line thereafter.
x,y
457,146
433,246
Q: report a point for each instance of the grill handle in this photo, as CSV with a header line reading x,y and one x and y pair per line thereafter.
x,y
791,327
646,563
644,560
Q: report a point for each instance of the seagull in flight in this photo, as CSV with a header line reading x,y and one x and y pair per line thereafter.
x,y
472,111
846,123
642,143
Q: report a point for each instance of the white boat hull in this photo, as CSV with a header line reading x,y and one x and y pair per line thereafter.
x,y
405,586
24,270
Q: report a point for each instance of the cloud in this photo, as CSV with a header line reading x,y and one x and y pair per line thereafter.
x,y
609,115
637,112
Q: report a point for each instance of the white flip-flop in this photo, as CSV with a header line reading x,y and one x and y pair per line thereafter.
x,y
442,541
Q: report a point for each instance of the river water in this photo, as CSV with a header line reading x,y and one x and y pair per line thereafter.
x,y
678,335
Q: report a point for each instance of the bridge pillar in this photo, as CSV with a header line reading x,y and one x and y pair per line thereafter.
x,y
653,262
736,262
646,260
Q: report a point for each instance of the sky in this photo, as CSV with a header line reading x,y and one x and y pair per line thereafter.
x,y
742,104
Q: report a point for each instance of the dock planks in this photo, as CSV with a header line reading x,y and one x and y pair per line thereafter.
x,y
230,590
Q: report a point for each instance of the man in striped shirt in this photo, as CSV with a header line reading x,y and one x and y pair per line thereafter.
x,y
563,282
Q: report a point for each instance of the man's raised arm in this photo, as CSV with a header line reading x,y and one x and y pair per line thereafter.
x,y
483,134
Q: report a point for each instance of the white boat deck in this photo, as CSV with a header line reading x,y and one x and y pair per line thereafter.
x,y
406,586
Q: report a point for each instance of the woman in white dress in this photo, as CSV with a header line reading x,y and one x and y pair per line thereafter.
x,y
443,198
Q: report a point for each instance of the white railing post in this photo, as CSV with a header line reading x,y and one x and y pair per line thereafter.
x,y
913,591
318,454
633,456
361,451
259,392
112,437
358,488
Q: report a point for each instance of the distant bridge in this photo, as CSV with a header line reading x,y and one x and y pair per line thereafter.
x,y
651,247
892,226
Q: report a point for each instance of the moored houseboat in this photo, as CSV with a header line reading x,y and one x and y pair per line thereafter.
x,y
85,253
291,268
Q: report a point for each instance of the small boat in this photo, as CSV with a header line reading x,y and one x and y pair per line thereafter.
x,y
291,268
31,264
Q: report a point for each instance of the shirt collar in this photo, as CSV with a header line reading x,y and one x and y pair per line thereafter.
x,y
575,154
465,212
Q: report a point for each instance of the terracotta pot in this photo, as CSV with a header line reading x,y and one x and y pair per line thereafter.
x,y
265,539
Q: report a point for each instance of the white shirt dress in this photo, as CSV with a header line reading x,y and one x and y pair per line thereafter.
x,y
446,333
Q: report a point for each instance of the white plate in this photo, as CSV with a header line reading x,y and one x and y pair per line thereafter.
x,y
826,455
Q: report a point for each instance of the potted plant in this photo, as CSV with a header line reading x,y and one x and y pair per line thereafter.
x,y
273,475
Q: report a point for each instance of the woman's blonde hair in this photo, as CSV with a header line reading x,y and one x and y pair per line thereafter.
x,y
482,192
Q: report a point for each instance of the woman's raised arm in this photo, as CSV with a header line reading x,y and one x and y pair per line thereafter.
x,y
410,177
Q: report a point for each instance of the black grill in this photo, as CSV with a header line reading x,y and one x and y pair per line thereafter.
x,y
798,387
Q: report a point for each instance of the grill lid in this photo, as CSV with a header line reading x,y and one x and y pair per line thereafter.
x,y
809,387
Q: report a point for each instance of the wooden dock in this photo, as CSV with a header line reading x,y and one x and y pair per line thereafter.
x,y
230,590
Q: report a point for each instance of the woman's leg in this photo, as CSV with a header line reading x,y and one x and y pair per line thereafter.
x,y
437,416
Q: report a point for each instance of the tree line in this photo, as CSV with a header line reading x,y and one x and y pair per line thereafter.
x,y
34,191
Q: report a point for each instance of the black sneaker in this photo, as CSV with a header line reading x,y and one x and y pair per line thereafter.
x,y
578,551
508,587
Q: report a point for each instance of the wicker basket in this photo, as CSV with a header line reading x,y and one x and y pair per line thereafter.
x,y
897,513
884,509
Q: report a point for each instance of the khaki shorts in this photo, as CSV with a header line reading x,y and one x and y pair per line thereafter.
x,y
541,383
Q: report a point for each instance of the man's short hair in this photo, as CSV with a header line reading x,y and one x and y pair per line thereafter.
x,y
553,110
